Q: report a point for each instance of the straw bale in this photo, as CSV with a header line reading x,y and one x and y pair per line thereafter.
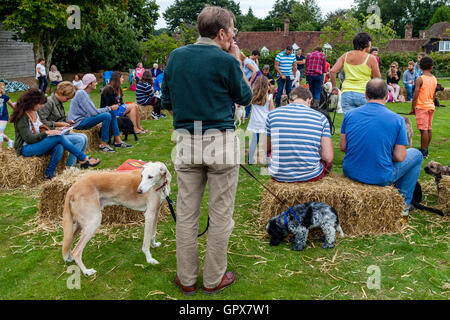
x,y
444,194
145,112
53,193
362,209
18,171
93,135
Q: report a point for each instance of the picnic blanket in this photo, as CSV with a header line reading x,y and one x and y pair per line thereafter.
x,y
13,86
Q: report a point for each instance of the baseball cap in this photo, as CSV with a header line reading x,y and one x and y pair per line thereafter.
x,y
88,78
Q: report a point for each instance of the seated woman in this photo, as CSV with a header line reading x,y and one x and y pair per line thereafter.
x,y
138,72
85,115
33,138
145,95
54,76
113,94
393,76
77,81
54,117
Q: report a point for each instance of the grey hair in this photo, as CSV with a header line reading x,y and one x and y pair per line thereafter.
x,y
212,19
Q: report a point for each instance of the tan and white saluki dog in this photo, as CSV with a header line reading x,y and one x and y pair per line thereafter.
x,y
142,190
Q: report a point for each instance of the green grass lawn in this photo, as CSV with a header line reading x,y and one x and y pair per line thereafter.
x,y
414,265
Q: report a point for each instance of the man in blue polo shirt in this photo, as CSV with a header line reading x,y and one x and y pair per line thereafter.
x,y
374,140
299,139
286,66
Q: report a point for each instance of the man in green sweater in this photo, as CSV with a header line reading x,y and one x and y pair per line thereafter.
x,y
201,83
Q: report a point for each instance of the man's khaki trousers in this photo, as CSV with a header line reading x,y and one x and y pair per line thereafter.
x,y
209,158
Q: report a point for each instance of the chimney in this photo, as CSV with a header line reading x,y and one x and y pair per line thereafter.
x,y
422,34
408,31
286,27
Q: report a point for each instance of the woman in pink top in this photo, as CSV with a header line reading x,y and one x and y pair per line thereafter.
x,y
138,72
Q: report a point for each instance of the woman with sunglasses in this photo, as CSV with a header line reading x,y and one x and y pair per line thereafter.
x,y
393,76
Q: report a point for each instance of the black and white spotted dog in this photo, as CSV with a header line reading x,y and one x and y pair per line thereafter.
x,y
299,219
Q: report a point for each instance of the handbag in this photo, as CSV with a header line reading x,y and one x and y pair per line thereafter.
x,y
42,128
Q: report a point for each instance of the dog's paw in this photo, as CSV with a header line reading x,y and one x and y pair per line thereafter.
x,y
298,248
328,245
152,261
155,244
89,272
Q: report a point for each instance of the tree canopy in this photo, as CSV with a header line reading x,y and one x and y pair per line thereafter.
x,y
187,11
401,12
441,14
145,14
340,37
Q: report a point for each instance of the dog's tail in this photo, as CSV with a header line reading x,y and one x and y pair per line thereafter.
x,y
67,227
339,229
422,207
338,225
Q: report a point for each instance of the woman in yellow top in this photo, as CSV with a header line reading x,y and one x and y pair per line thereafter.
x,y
359,67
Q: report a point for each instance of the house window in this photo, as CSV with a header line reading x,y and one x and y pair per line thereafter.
x,y
444,46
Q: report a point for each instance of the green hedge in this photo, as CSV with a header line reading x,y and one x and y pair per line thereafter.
x,y
441,65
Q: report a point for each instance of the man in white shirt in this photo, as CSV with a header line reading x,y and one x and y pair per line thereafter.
x,y
41,75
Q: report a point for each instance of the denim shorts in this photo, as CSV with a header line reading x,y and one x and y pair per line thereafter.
x,y
352,100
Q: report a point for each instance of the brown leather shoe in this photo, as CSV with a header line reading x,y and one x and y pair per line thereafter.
x,y
189,291
227,280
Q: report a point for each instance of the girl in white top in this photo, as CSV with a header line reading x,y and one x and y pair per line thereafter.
x,y
77,82
262,104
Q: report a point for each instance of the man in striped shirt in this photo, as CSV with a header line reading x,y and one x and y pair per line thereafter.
x,y
299,139
286,66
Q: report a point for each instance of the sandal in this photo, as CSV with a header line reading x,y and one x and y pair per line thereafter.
x,y
49,177
87,163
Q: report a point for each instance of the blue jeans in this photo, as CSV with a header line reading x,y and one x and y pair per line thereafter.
x,y
315,85
352,100
107,119
55,146
406,173
43,83
79,140
247,111
410,89
253,145
281,85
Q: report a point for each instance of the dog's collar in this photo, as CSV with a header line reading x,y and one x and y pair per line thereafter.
x,y
286,213
163,185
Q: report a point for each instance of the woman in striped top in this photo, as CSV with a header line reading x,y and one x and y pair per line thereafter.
x,y
145,95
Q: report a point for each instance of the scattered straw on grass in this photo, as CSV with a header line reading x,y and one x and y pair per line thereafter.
x,y
362,209
53,193
444,194
17,171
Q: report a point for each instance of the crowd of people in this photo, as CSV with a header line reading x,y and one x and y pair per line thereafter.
x,y
298,140
43,128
